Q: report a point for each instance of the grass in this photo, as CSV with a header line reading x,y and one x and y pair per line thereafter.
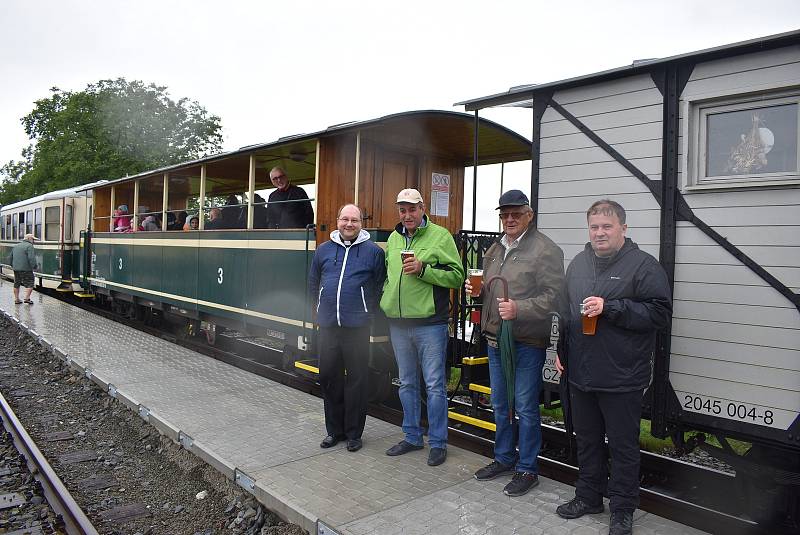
x,y
652,444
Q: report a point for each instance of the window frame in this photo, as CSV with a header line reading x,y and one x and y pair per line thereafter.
x,y
48,223
37,223
699,112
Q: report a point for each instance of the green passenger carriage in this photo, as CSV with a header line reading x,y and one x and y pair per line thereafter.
x,y
253,280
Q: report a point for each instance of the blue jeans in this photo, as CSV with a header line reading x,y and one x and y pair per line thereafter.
x,y
527,385
422,347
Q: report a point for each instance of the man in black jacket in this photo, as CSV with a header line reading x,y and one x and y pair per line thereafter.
x,y
626,292
288,205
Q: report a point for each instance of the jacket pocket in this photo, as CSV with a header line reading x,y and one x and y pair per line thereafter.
x,y
319,298
364,300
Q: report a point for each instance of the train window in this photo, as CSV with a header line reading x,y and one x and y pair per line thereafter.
x,y
29,222
68,223
3,230
52,216
37,224
21,223
747,141
14,227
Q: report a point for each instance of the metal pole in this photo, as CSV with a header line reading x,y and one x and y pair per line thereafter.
x,y
502,177
475,172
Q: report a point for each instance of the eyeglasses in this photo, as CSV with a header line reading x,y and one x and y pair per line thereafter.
x,y
511,215
278,177
351,221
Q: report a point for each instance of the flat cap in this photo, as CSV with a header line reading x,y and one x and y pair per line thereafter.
x,y
513,197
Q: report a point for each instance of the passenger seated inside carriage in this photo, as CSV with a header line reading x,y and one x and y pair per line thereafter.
x,y
121,222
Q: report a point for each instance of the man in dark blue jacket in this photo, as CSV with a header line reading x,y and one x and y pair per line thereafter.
x,y
626,292
346,275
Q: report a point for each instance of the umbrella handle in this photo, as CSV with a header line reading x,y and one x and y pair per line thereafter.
x,y
501,279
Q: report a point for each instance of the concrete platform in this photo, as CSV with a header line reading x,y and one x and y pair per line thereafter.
x,y
266,436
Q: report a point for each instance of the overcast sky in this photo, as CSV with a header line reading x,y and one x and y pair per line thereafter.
x,y
271,69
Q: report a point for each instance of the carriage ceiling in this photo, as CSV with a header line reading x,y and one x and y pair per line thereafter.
x,y
443,133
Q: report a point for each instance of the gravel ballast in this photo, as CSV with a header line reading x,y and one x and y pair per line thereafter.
x,y
127,477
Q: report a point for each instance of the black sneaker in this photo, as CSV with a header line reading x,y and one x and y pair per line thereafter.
x,y
621,523
492,470
520,484
436,456
576,508
401,448
354,444
330,441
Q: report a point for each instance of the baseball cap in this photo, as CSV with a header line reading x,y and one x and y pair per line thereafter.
x,y
410,196
30,237
513,197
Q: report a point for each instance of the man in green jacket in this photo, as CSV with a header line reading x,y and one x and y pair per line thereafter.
x,y
416,300
23,262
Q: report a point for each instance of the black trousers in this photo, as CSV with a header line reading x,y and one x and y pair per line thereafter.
x,y
345,396
617,416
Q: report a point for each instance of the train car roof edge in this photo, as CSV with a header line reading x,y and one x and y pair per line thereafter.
x,y
331,130
55,195
518,93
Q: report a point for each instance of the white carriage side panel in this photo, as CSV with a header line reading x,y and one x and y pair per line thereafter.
x,y
575,172
735,339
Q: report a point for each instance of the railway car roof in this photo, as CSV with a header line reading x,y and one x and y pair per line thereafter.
x,y
516,95
67,192
449,132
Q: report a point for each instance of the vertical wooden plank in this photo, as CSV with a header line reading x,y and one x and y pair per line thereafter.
x,y
357,165
164,202
202,201
251,189
113,207
136,205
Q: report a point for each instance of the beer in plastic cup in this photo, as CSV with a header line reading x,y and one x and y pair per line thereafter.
x,y
406,253
476,281
589,324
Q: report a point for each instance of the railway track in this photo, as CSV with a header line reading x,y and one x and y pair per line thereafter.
x,y
684,492
58,497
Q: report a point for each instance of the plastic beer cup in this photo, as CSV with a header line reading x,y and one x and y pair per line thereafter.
x,y
406,253
476,281
589,324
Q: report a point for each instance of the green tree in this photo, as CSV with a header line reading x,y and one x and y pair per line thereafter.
x,y
110,129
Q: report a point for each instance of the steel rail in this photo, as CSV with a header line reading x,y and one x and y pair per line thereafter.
x,y
75,520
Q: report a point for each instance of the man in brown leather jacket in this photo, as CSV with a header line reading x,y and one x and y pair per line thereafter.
x,y
534,267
